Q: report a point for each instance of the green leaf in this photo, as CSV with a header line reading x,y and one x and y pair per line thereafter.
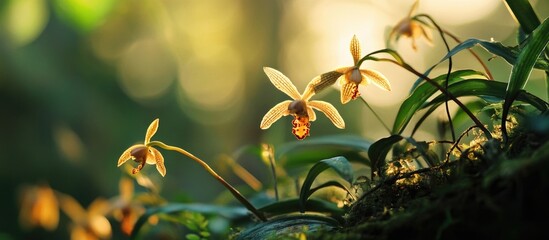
x,y
307,152
480,88
460,117
524,14
294,206
339,164
378,151
288,227
534,46
192,236
231,212
329,184
421,94
510,54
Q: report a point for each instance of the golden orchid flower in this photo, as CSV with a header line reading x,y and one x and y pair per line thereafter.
x,y
411,28
127,208
39,208
88,223
300,107
143,153
353,76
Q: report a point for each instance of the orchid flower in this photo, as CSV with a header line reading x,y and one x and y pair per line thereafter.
x,y
412,28
143,153
300,107
352,77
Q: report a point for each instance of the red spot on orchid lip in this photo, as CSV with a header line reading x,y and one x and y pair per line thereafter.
x,y
301,127
356,93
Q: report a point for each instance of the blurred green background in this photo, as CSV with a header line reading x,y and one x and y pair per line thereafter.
x,y
81,80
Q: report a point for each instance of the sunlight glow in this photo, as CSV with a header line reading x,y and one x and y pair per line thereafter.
x,y
321,43
24,20
84,15
459,12
211,81
146,70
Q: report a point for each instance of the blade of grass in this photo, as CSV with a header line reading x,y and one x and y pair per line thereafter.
x,y
533,48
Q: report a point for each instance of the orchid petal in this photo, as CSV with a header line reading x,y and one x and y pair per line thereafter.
x,y
330,111
355,49
151,156
348,91
274,114
321,82
282,83
151,131
311,114
376,78
127,155
427,34
413,8
159,162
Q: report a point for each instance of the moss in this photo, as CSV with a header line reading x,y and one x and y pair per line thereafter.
x,y
505,200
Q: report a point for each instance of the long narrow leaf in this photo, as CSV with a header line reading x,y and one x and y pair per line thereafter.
x,y
339,164
480,88
520,73
284,227
303,153
294,206
524,14
329,184
421,94
510,54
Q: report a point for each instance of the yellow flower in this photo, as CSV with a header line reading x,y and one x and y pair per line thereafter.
x,y
300,107
127,208
39,208
88,223
411,28
353,76
143,153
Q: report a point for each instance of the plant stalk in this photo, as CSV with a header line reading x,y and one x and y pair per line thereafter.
x,y
227,185
375,114
450,63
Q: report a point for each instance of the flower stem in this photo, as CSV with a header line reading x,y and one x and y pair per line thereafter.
x,y
375,114
486,70
227,185
450,63
400,62
268,155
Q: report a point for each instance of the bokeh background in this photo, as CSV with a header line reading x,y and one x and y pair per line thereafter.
x,y
81,80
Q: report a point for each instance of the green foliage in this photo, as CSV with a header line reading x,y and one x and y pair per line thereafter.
x,y
482,88
422,93
288,227
379,150
339,164
302,153
290,206
190,215
195,222
535,45
416,166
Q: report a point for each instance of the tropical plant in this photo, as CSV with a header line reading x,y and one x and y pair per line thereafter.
x,y
350,185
